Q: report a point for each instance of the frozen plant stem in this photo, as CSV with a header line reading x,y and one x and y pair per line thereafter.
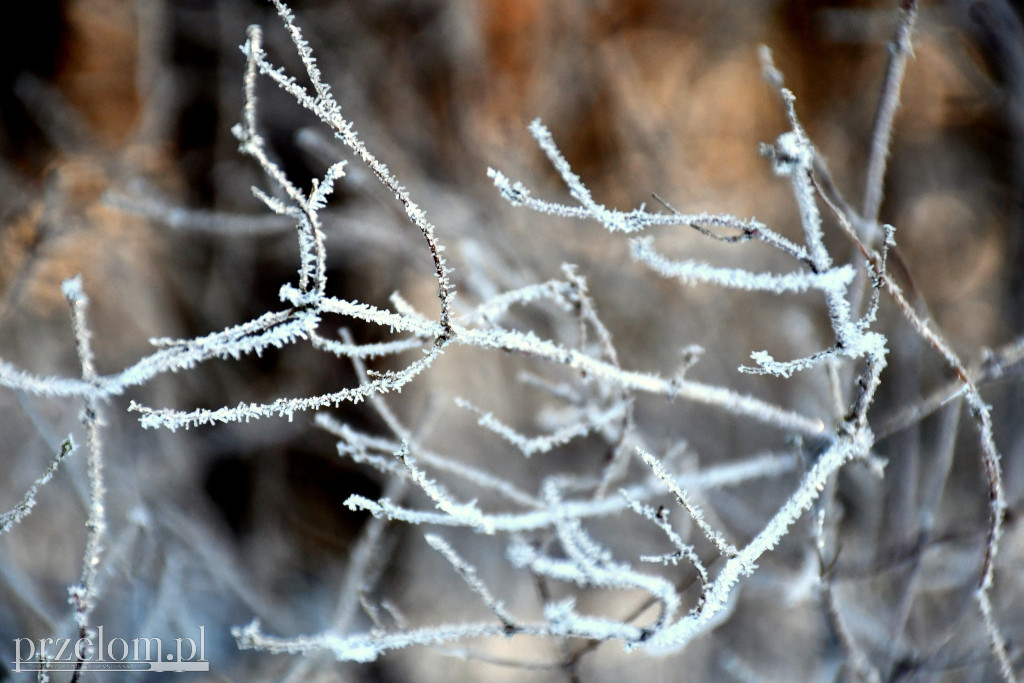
x,y
28,501
83,595
556,530
900,49
862,229
328,110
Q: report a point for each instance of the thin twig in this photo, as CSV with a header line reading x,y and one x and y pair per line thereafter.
x,y
900,49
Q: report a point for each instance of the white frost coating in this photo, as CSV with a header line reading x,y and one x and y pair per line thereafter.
x,y
632,221
24,506
366,351
385,382
716,597
557,291
595,571
564,621
595,395
530,344
709,478
369,646
355,444
795,158
545,442
725,548
469,575
695,272
683,550
466,514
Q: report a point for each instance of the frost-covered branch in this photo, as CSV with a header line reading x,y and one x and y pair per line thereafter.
x,y
82,596
554,520
24,506
469,575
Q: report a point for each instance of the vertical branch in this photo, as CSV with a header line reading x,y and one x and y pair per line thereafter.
x,y
979,411
990,459
857,659
933,482
312,271
83,595
329,111
997,510
899,50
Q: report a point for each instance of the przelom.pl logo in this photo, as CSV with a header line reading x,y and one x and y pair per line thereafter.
x,y
110,654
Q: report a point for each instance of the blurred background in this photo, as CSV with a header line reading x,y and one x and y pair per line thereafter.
x,y
116,153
